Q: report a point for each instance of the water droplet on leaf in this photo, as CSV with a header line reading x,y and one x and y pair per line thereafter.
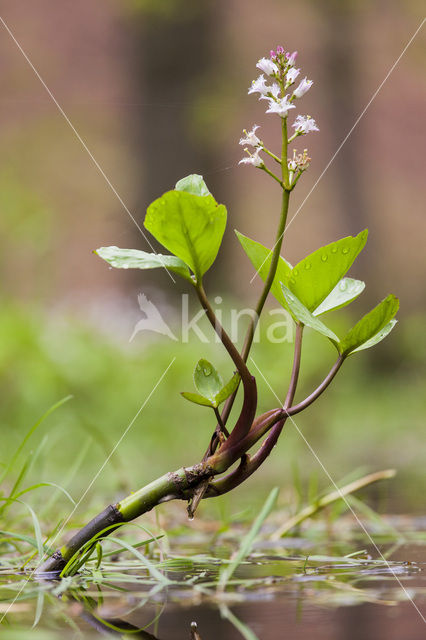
x,y
324,257
345,250
307,265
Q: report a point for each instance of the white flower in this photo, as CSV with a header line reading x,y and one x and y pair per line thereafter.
x,y
251,137
252,158
291,58
273,91
305,124
291,75
259,86
303,87
267,66
281,106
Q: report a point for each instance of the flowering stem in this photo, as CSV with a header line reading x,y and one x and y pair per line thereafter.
x,y
271,274
293,137
284,165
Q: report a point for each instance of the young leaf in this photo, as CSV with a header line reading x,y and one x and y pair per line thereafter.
x,y
228,389
193,184
207,380
378,337
303,315
343,293
314,277
196,398
261,257
189,226
370,325
135,259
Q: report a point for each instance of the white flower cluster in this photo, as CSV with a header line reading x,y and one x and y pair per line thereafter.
x,y
281,72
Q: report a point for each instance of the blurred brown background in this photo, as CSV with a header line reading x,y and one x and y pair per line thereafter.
x,y
157,89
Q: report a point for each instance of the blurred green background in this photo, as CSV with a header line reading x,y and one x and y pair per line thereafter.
x,y
157,89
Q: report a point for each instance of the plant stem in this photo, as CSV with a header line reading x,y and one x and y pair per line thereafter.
x,y
270,173
168,487
284,152
248,410
223,429
319,390
240,474
248,341
272,155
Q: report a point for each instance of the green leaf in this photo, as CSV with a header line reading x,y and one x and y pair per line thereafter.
x,y
228,389
303,315
370,326
193,183
261,257
196,398
207,380
189,226
212,392
314,277
343,293
135,259
378,337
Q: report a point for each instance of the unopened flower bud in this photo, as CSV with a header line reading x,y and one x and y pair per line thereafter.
x,y
291,58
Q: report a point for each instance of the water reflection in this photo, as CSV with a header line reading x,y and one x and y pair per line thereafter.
x,y
271,596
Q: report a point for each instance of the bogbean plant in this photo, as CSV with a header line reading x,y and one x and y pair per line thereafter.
x,y
190,224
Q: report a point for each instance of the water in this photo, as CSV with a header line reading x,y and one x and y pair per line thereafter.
x,y
291,588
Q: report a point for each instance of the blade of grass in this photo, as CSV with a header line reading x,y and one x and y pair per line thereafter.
x,y
44,484
374,517
20,536
245,631
24,441
39,607
333,496
247,542
28,464
69,477
36,524
148,564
